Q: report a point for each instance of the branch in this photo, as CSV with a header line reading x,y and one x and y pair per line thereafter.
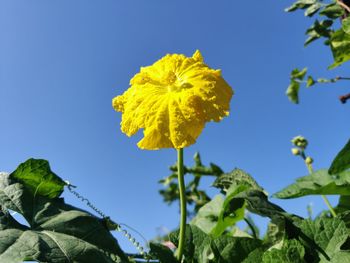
x,y
344,98
339,2
342,78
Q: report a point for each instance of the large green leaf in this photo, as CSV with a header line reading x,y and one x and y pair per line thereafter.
x,y
233,249
195,242
340,45
341,161
330,234
291,252
208,215
254,256
57,233
38,177
343,204
231,212
163,253
257,202
217,215
317,183
202,248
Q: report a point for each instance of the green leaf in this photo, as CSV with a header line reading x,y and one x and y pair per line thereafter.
x,y
300,4
346,25
332,11
195,242
317,183
276,231
317,30
57,231
341,161
340,45
217,215
254,256
311,10
236,177
231,212
38,177
201,248
233,249
343,204
258,203
298,74
330,234
163,253
310,82
291,252
293,91
208,215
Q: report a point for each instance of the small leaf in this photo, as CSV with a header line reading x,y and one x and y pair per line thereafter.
x,y
298,74
341,161
37,176
332,11
300,4
293,91
340,45
311,10
317,183
310,82
317,30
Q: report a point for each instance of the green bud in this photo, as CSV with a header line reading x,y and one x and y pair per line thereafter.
x,y
309,160
295,151
300,142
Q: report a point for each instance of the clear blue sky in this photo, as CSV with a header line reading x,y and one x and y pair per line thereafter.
x,y
62,62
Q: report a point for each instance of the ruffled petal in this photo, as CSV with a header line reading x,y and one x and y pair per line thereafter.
x,y
172,100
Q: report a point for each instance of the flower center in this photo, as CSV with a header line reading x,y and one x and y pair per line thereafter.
x,y
174,83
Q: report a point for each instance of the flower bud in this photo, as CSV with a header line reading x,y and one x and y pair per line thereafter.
x,y
309,160
295,151
300,142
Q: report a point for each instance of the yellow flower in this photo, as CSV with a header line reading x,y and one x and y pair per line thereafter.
x,y
172,100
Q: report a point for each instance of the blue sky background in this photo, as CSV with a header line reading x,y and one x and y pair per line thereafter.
x,y
62,62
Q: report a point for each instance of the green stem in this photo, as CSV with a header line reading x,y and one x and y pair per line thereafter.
x,y
325,199
180,174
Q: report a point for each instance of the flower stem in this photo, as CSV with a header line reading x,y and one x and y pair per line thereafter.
x,y
180,176
325,199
